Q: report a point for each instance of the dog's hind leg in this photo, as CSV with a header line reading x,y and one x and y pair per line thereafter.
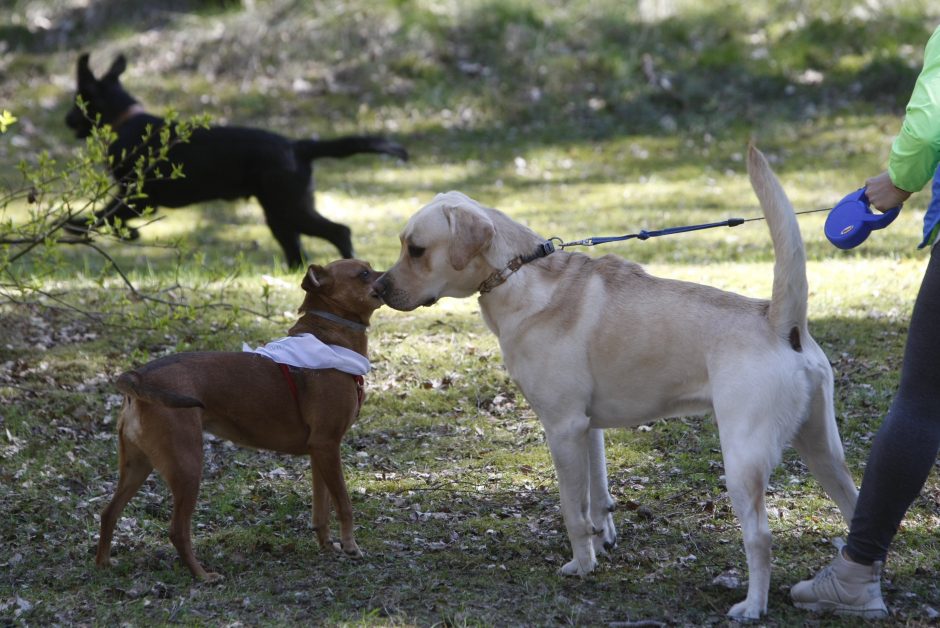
x,y
337,234
820,448
134,469
179,461
602,504
289,239
747,474
116,209
751,447
185,491
305,219
289,219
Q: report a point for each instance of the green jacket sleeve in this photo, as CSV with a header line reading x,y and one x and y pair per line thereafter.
x,y
916,150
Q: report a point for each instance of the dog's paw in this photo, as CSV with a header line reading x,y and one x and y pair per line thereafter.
x,y
605,537
350,549
745,611
213,577
394,149
603,547
574,567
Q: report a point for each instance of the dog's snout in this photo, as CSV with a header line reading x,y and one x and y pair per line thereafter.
x,y
380,285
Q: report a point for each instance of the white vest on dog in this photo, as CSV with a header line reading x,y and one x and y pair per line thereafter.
x,y
309,352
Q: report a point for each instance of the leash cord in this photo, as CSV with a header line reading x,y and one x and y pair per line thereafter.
x,y
645,235
547,247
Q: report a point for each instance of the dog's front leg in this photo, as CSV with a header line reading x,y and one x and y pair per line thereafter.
x,y
117,208
321,507
329,466
567,437
602,504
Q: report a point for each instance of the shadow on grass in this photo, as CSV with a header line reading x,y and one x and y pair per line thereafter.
x,y
457,511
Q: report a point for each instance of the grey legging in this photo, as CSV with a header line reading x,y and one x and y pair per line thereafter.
x,y
905,448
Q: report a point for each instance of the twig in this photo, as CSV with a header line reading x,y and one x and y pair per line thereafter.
x,y
40,239
445,487
75,240
114,265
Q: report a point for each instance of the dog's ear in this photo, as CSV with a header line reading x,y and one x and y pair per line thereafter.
x,y
315,278
117,68
84,73
469,233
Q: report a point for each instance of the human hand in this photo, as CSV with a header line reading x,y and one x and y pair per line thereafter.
x,y
882,194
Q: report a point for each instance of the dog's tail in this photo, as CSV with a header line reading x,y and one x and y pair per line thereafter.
x,y
787,311
132,385
350,145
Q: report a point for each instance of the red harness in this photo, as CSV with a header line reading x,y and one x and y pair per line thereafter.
x,y
360,387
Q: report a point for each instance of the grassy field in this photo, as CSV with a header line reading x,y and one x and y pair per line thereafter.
x,y
578,118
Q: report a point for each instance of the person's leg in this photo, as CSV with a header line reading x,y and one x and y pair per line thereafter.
x,y
902,455
905,447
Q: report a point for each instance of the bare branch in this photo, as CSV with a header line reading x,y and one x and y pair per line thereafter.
x,y
114,265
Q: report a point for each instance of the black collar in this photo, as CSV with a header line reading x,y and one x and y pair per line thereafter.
x,y
339,320
134,110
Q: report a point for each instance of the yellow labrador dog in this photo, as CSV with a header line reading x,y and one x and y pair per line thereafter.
x,y
598,343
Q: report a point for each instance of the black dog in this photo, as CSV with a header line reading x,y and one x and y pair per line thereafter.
x,y
217,163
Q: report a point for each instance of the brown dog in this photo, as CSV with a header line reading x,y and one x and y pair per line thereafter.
x,y
251,400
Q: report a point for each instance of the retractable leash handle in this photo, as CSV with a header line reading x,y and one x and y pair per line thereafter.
x,y
851,221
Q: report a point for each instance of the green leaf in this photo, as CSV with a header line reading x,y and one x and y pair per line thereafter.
x,y
6,119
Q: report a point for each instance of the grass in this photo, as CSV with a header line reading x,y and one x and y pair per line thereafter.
x,y
542,110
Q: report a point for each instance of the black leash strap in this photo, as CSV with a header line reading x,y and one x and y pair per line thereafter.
x,y
646,235
553,244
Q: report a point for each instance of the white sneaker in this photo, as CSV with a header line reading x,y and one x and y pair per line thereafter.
x,y
843,588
